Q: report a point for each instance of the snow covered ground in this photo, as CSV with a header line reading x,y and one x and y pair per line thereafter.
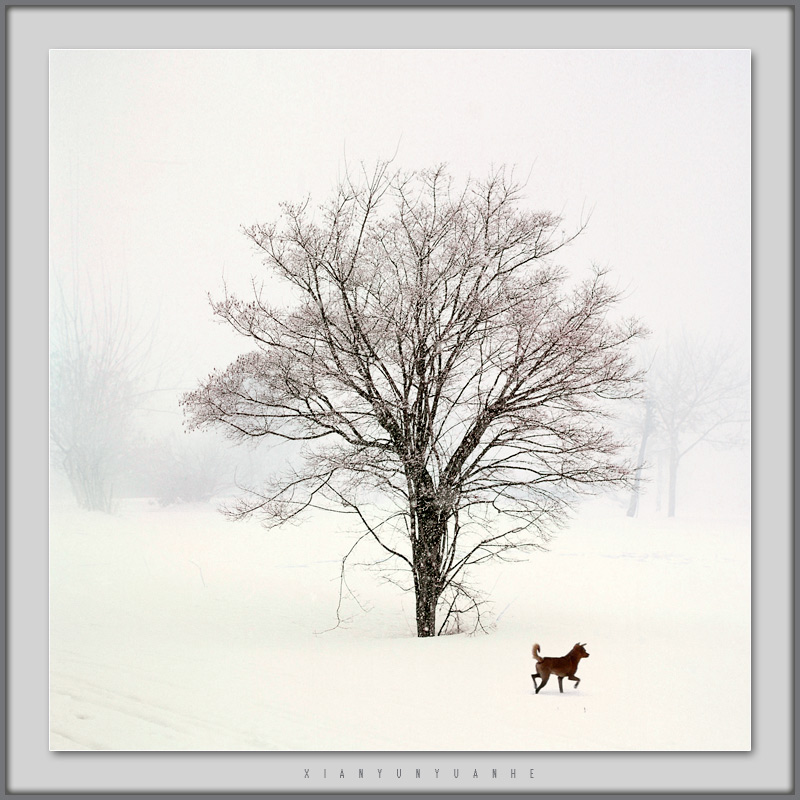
x,y
175,629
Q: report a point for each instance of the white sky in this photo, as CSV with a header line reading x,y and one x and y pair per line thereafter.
x,y
158,158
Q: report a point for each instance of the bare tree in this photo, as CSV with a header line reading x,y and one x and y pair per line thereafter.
x,y
449,385
700,395
98,354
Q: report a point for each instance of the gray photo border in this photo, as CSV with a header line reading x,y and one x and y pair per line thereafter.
x,y
24,492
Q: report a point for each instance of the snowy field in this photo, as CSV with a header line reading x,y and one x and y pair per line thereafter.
x,y
174,629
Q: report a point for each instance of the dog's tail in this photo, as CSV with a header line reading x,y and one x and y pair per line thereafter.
x,y
536,649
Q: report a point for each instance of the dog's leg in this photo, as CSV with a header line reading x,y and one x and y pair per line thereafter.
x,y
574,678
536,675
544,679
561,684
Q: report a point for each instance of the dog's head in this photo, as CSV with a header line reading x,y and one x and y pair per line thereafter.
x,y
580,650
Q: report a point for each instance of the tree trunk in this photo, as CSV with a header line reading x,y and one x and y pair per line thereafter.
x,y
633,506
674,458
88,484
427,599
427,570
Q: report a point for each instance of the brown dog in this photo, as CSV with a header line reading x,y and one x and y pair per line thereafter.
x,y
564,667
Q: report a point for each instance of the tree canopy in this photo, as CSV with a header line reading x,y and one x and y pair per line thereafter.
x,y
449,379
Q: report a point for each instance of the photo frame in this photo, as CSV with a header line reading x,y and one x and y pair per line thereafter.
x,y
30,32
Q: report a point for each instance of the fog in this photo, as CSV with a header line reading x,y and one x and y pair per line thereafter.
x,y
158,158
173,629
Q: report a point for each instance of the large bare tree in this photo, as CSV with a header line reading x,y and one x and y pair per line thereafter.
x,y
449,382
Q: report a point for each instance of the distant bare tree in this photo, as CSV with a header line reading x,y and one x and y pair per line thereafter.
x,y
700,395
97,360
450,385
